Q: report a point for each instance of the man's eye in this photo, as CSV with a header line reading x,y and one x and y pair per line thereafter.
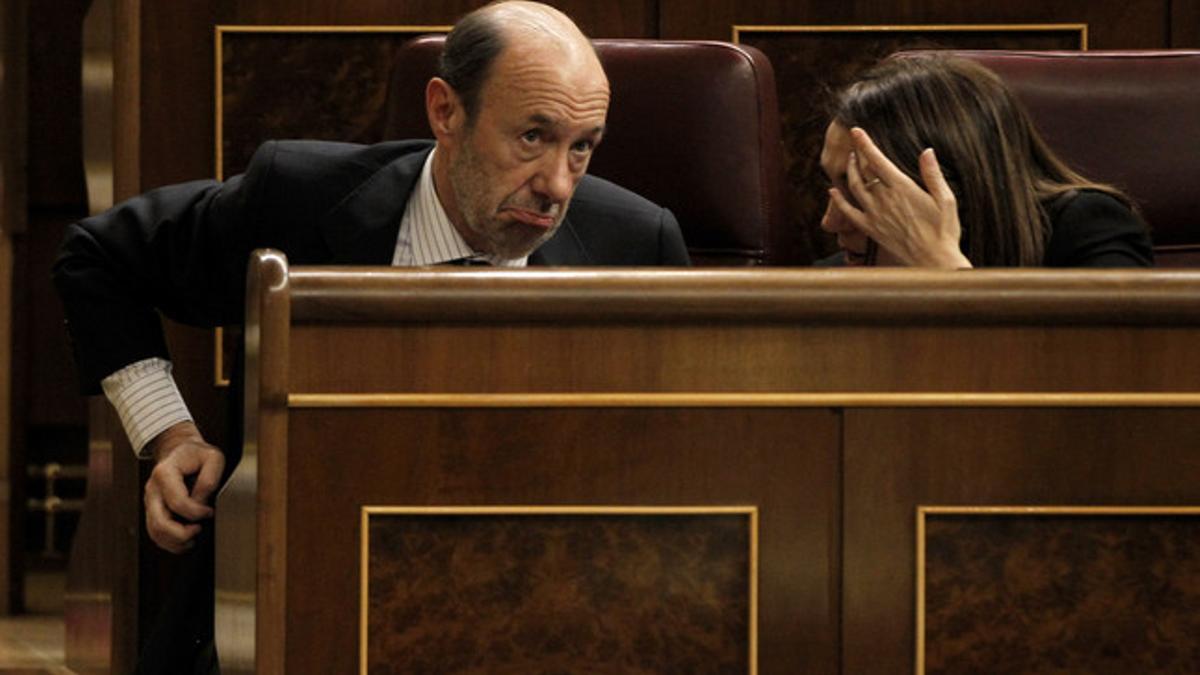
x,y
532,136
582,146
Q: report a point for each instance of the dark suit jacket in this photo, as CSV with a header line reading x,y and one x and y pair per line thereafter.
x,y
183,249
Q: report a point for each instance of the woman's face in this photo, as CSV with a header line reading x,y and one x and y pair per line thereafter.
x,y
835,157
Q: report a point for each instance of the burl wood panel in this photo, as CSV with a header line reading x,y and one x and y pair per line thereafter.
x,y
1072,593
610,18
811,66
271,80
896,460
782,461
505,593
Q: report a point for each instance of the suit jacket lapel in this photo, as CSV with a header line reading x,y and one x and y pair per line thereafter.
x,y
362,229
564,248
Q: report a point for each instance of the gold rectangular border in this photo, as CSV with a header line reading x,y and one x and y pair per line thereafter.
x,y
923,511
738,30
750,400
219,32
368,511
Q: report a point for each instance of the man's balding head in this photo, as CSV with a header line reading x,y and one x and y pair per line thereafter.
x,y
479,38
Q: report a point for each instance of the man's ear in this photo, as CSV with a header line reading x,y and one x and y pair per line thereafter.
x,y
444,109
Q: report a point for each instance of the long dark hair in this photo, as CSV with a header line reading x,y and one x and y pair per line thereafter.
x,y
1003,174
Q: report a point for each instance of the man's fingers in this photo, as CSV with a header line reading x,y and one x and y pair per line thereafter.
x,y
164,530
208,478
180,452
188,508
169,484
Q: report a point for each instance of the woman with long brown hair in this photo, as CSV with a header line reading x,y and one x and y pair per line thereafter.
x,y
935,164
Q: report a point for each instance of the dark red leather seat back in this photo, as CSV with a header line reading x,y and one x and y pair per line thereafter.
x,y
1130,118
693,126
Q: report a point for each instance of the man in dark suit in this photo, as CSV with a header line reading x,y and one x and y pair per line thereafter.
x,y
517,112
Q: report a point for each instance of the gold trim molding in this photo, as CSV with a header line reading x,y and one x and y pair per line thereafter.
x,y
219,32
751,400
1083,511
528,510
738,30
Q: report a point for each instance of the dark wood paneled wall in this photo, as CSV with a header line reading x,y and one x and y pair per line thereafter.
x,y
13,98
1185,24
57,196
177,76
43,190
1114,25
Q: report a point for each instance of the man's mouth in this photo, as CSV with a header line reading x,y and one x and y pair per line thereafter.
x,y
534,218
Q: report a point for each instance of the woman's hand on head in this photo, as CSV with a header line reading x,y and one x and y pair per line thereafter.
x,y
918,225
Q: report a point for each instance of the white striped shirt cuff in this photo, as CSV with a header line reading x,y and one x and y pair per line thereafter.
x,y
146,399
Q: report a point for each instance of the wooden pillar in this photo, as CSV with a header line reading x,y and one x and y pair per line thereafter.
x,y
13,217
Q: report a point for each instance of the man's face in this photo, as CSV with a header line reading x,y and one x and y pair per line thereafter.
x,y
513,169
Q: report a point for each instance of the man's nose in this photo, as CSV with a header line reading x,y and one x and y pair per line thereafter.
x,y
555,180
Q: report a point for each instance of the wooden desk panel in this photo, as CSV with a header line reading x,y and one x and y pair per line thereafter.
x,y
784,462
835,402
897,460
702,357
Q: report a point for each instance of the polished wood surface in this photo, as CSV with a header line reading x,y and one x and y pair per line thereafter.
x,y
824,296
252,610
100,607
665,457
814,331
11,544
622,18
14,56
772,359
1118,25
896,460
127,98
13,218
492,374
31,643
1093,590
88,604
1185,24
